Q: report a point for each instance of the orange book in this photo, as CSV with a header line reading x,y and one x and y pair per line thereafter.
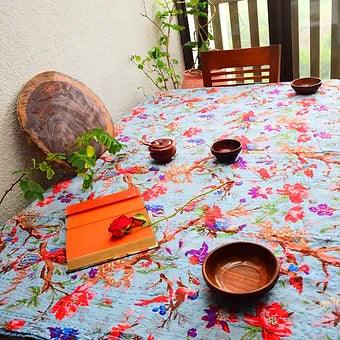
x,y
88,241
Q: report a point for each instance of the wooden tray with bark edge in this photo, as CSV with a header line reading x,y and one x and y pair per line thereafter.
x,y
54,109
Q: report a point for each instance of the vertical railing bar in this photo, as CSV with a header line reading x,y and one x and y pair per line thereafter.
x,y
235,24
315,38
253,23
335,40
280,32
235,28
185,36
216,24
295,38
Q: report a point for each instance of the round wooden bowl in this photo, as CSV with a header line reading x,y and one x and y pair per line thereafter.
x,y
241,269
226,150
306,85
163,150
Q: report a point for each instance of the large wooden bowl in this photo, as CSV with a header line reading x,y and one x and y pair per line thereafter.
x,y
241,269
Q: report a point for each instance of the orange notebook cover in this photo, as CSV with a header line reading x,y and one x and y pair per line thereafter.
x,y
88,241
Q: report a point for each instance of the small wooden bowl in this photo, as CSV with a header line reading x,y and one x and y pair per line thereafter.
x,y
241,269
226,150
163,150
306,85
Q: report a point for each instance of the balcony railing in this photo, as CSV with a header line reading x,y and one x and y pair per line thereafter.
x,y
309,31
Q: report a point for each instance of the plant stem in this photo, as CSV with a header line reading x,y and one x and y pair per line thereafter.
x,y
170,65
149,77
145,15
11,187
181,209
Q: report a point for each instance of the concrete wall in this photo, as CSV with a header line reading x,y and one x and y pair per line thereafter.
x,y
90,40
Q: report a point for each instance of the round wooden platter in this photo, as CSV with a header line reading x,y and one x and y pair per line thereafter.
x,y
54,109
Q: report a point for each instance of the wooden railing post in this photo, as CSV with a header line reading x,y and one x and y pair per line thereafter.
x,y
295,39
185,35
335,44
314,38
203,28
253,23
280,32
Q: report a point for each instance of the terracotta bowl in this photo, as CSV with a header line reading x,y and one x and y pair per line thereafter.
x,y
226,150
306,85
241,270
163,150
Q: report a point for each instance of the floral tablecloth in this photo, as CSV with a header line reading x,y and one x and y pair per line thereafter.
x,y
283,192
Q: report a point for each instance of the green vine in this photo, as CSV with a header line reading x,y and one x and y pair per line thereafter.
x,y
158,65
82,160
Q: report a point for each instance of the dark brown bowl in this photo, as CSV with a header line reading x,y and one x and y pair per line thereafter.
x,y
306,85
163,150
226,150
241,270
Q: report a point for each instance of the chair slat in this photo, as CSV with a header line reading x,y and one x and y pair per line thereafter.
x,y
224,73
219,80
315,38
335,43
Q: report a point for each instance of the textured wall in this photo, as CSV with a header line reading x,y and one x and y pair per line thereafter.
x,y
90,40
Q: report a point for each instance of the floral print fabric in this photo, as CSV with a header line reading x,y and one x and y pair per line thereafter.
x,y
282,192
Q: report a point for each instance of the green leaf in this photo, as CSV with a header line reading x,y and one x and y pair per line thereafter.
x,y
160,64
191,44
90,151
43,166
50,173
175,27
155,52
19,171
204,47
36,187
24,185
163,40
28,195
87,181
140,217
55,156
192,3
103,138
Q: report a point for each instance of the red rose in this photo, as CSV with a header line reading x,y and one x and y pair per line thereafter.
x,y
120,226
14,324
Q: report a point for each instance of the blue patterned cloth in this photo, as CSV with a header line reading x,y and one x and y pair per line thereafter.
x,y
283,192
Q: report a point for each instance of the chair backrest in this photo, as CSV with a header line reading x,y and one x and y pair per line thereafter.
x,y
234,67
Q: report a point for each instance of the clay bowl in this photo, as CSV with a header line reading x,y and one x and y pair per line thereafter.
x,y
306,85
163,150
226,150
241,270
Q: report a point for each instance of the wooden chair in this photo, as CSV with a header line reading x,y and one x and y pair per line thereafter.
x,y
234,67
